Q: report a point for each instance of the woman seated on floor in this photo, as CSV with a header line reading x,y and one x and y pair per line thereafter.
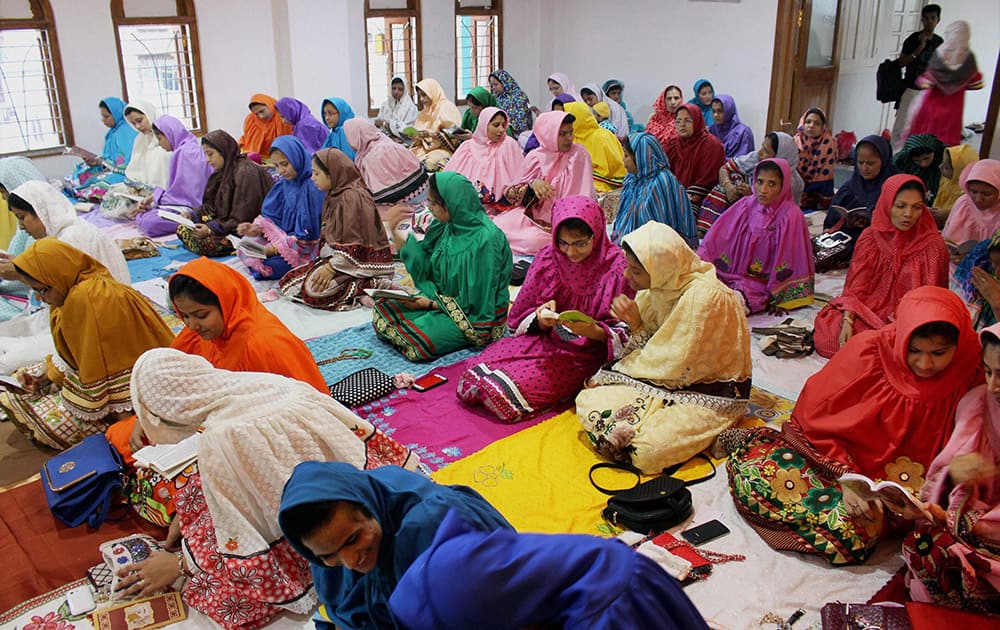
x,y
42,211
761,246
462,272
536,581
92,177
478,99
310,131
432,145
361,531
547,361
398,111
736,177
606,153
695,154
557,168
661,121
355,255
922,156
491,160
512,100
976,214
336,112
736,137
684,374
817,158
262,125
872,167
288,227
14,239
100,327
704,94
257,428
650,191
391,172
615,91
234,195
976,281
189,173
952,559
883,407
591,95
902,250
149,164
952,166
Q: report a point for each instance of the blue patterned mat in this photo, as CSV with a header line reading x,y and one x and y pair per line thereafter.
x,y
143,269
384,356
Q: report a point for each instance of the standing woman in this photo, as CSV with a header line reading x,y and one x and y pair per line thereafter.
x,y
437,113
398,111
492,160
951,71
902,250
461,269
391,172
90,179
704,94
695,154
149,164
189,173
737,138
288,225
305,127
512,100
262,125
661,122
651,192
336,112
355,254
547,361
557,168
817,157
99,327
233,195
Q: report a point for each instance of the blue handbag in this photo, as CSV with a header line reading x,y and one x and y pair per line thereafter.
x,y
81,482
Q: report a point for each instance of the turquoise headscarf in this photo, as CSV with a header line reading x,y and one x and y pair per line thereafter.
x,y
706,110
652,193
337,139
118,140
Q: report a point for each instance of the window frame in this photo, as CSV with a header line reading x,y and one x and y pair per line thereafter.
x,y
412,10
185,17
43,19
495,10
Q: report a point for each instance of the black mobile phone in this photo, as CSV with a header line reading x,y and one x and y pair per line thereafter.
x,y
705,532
428,381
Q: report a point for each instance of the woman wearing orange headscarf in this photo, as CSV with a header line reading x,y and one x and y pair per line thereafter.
x,y
262,125
99,328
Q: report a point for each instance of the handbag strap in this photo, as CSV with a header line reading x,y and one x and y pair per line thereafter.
x,y
638,473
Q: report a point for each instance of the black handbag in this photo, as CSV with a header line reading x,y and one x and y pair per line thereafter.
x,y
889,86
652,506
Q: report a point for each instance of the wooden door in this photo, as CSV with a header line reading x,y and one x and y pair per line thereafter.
x,y
806,56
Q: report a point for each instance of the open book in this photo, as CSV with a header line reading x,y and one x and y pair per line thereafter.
x,y
891,493
169,459
248,247
410,132
860,217
568,316
179,219
82,153
126,195
392,294
961,249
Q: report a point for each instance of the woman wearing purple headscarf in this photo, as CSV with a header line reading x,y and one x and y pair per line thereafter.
x,y
310,131
761,247
737,138
189,173
547,360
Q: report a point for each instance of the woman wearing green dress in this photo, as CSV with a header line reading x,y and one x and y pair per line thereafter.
x,y
461,269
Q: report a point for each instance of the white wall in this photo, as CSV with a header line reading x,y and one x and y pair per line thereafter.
x,y
983,17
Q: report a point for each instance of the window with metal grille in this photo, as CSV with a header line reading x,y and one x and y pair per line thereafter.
x,y
478,50
34,118
392,45
159,59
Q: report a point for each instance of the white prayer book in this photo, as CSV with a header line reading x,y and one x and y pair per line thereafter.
x,y
180,219
169,459
248,246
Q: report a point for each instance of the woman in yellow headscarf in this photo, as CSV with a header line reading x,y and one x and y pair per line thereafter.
x,y
99,328
605,150
433,145
955,160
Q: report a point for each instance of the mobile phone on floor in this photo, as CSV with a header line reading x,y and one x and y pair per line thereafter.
x,y
705,532
428,381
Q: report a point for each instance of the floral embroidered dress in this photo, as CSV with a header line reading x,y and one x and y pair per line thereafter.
x,y
92,182
684,376
257,427
764,252
516,376
864,412
463,265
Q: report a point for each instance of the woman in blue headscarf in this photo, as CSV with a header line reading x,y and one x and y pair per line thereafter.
x,y
650,191
704,93
91,178
361,530
289,223
336,112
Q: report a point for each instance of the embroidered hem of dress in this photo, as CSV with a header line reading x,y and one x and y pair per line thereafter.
x,y
719,404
